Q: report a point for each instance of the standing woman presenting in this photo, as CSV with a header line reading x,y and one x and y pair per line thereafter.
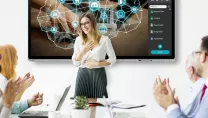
x,y
90,51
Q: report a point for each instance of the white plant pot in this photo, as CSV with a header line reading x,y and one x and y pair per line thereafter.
x,y
78,113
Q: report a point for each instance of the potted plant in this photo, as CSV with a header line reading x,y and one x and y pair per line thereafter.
x,y
81,108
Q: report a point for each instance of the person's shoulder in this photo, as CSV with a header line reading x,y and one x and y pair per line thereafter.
x,y
78,39
2,77
104,38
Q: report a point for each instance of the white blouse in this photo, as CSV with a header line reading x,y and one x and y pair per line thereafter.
x,y
98,53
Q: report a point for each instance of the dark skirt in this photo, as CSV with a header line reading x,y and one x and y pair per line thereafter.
x,y
91,83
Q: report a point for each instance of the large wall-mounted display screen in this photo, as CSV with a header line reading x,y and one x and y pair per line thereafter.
x,y
138,29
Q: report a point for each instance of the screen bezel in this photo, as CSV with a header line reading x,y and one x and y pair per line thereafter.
x,y
118,57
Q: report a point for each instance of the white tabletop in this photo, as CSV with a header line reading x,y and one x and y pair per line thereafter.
x,y
101,112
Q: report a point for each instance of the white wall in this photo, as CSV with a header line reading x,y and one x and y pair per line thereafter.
x,y
128,81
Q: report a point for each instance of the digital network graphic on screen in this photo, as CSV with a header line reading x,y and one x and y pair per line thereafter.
x,y
138,29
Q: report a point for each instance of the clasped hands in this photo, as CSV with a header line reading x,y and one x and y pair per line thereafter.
x,y
37,98
163,93
17,87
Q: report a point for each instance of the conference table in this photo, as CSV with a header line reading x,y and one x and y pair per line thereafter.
x,y
101,112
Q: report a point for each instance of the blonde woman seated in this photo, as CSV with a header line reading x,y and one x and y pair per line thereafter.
x,y
8,62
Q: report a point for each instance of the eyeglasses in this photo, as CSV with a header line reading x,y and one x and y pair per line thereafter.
x,y
195,52
85,23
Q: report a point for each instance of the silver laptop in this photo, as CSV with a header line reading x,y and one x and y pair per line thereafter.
x,y
44,114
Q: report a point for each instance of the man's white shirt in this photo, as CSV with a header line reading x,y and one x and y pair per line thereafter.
x,y
192,104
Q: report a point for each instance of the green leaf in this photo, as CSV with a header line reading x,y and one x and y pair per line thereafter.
x,y
81,102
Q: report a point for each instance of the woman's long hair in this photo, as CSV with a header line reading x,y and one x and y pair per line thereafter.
x,y
94,32
8,58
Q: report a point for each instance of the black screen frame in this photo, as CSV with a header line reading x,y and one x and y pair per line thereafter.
x,y
172,57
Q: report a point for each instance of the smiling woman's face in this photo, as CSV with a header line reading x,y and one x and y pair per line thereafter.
x,y
86,25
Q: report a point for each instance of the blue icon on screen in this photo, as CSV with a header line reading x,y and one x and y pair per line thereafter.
x,y
134,9
53,29
120,14
102,29
55,14
160,46
151,38
160,52
121,2
77,2
75,24
94,5
103,16
61,1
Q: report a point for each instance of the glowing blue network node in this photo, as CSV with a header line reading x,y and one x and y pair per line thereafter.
x,y
77,2
94,5
120,14
134,9
102,29
75,24
61,1
160,46
55,14
53,29
103,15
121,2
